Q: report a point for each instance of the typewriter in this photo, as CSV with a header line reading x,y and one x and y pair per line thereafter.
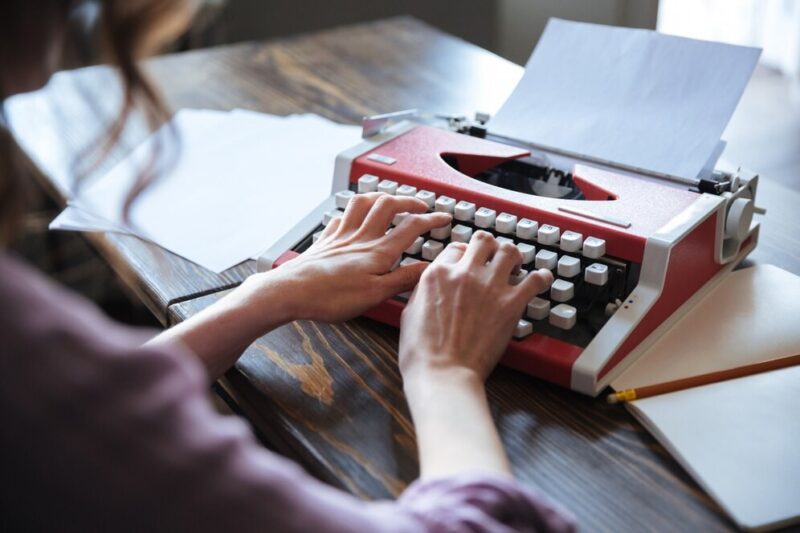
x,y
630,250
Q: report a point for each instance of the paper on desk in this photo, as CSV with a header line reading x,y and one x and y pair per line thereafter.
x,y
76,219
240,183
737,438
629,96
58,124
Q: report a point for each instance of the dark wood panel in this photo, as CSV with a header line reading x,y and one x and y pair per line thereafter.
x,y
330,396
342,74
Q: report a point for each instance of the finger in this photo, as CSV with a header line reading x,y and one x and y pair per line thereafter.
x,y
357,210
481,248
413,226
403,279
331,228
384,210
452,253
506,259
534,283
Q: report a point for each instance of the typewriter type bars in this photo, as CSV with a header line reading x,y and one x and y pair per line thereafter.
x,y
627,254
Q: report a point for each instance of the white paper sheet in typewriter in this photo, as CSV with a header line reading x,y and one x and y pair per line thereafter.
x,y
629,96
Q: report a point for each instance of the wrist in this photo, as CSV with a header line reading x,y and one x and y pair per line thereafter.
x,y
424,381
268,299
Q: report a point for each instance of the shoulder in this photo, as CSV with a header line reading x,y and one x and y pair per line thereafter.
x,y
38,314
56,342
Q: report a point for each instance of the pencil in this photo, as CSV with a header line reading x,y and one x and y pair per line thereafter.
x,y
629,395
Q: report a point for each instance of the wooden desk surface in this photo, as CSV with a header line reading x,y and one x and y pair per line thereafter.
x,y
330,395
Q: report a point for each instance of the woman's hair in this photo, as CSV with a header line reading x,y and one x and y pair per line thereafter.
x,y
127,31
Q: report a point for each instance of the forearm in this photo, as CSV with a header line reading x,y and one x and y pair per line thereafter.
x,y
455,429
220,333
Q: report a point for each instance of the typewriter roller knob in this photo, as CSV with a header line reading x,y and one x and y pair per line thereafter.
x,y
740,215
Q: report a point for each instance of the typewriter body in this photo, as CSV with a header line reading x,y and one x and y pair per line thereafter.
x,y
630,250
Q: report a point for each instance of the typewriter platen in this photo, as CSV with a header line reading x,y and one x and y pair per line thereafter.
x,y
631,251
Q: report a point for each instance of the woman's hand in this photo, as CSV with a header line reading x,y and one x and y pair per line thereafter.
x,y
347,271
463,312
453,331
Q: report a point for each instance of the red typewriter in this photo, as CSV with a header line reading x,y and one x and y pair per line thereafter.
x,y
631,251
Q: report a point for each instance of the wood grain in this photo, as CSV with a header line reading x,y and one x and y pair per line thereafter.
x,y
330,396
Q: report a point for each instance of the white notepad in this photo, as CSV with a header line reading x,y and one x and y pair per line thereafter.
x,y
739,439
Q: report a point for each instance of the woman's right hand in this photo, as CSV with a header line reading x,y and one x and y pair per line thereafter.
x,y
463,311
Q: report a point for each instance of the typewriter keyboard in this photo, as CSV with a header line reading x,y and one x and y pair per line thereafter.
x,y
588,286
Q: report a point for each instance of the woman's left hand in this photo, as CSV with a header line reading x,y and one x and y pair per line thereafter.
x,y
348,270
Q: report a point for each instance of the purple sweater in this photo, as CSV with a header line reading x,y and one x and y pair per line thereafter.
x,y
99,433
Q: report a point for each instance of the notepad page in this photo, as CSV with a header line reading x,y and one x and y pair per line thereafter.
x,y
750,317
739,439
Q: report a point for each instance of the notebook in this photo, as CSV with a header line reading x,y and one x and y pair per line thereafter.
x,y
739,439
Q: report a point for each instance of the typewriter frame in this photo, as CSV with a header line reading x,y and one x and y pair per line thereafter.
x,y
681,260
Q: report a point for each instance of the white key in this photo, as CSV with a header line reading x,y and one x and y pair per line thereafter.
x,y
548,234
431,249
596,274
528,251
461,233
546,259
464,211
408,261
343,198
441,234
562,290
516,279
484,217
368,183
522,329
406,190
416,246
506,223
387,186
571,241
502,239
398,218
538,308
563,316
527,228
445,204
330,215
316,236
594,248
568,266
428,197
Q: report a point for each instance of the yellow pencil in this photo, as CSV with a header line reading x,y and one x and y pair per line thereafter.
x,y
628,395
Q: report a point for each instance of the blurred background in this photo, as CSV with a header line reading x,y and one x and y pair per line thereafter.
x,y
770,109
764,134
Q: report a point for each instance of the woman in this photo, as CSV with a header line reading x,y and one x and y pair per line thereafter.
x,y
103,432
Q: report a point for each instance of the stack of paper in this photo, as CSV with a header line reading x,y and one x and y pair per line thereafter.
x,y
241,181
238,182
737,438
632,97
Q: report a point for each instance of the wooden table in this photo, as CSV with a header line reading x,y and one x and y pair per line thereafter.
x,y
330,396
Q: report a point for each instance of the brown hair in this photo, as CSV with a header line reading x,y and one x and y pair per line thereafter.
x,y
129,30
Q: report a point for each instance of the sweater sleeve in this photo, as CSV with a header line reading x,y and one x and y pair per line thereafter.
x,y
100,433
